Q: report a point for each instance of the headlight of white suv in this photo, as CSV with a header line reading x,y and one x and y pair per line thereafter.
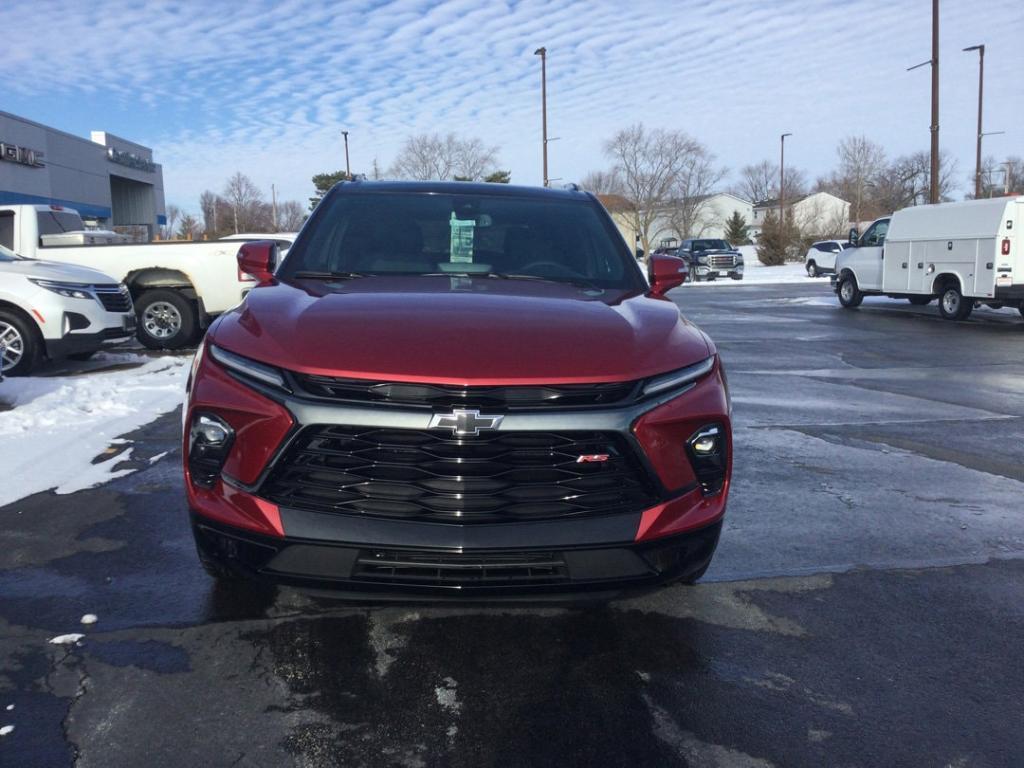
x,y
69,290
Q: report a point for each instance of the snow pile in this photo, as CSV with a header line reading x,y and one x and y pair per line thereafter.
x,y
57,426
69,639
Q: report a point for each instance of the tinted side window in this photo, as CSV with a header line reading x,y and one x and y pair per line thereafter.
x,y
876,234
7,230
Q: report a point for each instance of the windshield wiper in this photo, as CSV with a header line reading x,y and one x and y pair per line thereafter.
x,y
566,281
323,275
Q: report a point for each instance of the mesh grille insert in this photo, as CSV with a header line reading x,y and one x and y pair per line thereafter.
x,y
431,475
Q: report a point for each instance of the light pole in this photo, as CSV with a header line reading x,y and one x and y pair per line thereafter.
x,y
981,92
933,192
782,180
543,53
348,168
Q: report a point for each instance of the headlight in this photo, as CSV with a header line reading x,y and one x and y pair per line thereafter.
x,y
68,290
243,365
702,259
680,378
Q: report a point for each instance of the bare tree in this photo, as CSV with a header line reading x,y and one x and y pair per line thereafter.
x,y
171,213
651,165
189,228
602,183
427,157
906,181
760,182
290,215
860,163
246,201
690,214
999,177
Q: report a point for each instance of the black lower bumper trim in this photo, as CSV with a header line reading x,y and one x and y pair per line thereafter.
x,y
374,571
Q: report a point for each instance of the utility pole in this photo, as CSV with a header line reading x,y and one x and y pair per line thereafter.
x,y
543,53
273,206
782,180
981,91
933,191
348,168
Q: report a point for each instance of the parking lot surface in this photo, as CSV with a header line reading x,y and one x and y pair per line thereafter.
x,y
864,608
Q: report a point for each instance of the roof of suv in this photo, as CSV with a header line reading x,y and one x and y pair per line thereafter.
x,y
459,188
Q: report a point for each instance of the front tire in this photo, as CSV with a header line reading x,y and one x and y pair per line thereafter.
x,y
22,347
812,269
167,320
953,305
850,295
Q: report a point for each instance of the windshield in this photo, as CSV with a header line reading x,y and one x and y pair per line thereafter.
x,y
55,222
385,233
7,254
710,245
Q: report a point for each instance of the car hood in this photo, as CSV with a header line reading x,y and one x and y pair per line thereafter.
x,y
51,270
460,331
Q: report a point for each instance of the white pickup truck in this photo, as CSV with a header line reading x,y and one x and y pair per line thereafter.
x,y
961,253
176,287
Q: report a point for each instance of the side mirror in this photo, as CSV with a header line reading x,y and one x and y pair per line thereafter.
x,y
639,253
666,273
853,235
258,259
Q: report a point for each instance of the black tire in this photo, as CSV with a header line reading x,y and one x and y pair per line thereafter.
x,y
812,269
82,356
848,292
920,301
167,320
692,579
23,343
952,303
1021,310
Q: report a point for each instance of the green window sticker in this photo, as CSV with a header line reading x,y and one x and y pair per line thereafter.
x,y
462,239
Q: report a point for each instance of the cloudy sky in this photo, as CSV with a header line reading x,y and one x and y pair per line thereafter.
x,y
266,87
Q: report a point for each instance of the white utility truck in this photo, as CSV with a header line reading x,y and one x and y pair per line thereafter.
x,y
176,287
961,253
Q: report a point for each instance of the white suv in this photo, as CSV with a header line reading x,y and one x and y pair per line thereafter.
x,y
821,257
56,310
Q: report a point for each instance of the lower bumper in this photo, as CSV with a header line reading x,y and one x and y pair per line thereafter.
x,y
376,570
79,343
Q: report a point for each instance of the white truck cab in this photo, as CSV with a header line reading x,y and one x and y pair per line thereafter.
x,y
176,287
961,253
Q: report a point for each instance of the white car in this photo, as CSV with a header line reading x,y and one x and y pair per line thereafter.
x,y
821,257
57,310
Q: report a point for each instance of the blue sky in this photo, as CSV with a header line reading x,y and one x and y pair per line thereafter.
x,y
266,87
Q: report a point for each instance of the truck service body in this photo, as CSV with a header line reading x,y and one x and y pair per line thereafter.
x,y
962,253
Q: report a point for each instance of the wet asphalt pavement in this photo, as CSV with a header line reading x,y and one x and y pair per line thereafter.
x,y
865,608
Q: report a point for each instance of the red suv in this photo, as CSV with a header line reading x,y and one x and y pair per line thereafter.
x,y
455,388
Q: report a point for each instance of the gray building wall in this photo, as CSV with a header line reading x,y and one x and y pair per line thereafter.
x,y
106,178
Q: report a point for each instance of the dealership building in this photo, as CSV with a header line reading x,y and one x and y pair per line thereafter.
x,y
110,181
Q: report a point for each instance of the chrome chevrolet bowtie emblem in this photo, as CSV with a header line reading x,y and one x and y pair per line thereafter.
x,y
465,422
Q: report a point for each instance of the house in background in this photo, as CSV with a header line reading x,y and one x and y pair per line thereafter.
x,y
716,210
818,214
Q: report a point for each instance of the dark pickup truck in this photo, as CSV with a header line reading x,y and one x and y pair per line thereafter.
x,y
711,259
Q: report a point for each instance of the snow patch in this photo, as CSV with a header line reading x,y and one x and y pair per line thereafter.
x,y
447,696
7,729
89,618
69,639
59,425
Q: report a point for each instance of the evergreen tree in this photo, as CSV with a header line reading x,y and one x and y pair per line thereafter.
x,y
736,229
323,183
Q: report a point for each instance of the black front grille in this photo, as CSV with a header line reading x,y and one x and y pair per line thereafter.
x,y
431,475
114,298
447,396
459,570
